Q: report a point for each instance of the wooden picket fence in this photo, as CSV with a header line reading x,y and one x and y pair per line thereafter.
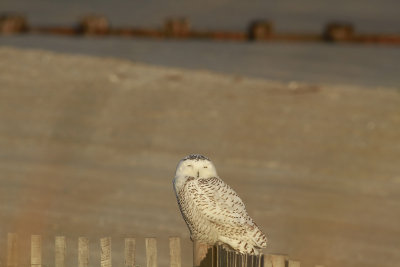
x,y
203,255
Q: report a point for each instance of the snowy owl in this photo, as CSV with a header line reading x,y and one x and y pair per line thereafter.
x,y
211,209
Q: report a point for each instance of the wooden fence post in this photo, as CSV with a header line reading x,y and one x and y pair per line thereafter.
x,y
175,252
151,252
105,256
275,260
294,263
200,252
83,252
60,251
12,250
36,251
278,260
203,255
267,260
130,250
261,261
219,256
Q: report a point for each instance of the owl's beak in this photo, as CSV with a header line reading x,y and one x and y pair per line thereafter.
x,y
198,174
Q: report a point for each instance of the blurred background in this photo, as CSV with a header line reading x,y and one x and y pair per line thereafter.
x,y
307,133
309,62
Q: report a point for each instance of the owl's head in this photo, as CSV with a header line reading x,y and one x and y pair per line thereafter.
x,y
194,166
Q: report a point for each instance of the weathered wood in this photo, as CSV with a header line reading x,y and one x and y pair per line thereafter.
x,y
151,252
203,254
12,250
105,255
175,251
130,252
60,251
231,258
36,251
219,256
293,263
246,260
83,252
278,260
261,261
200,252
237,260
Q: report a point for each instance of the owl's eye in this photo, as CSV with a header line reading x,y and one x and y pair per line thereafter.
x,y
205,167
189,166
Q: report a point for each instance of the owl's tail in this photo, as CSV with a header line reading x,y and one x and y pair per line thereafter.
x,y
249,243
258,237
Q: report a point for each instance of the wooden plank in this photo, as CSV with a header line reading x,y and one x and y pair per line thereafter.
x,y
130,252
60,251
83,252
222,253
245,260
214,256
267,260
175,251
199,252
278,260
293,263
217,256
222,257
261,261
36,251
105,256
237,260
12,250
151,252
231,261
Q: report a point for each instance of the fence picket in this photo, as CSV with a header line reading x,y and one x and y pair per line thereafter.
x,y
267,260
105,256
130,252
294,263
175,251
83,252
203,254
60,251
12,250
151,252
278,260
200,251
36,251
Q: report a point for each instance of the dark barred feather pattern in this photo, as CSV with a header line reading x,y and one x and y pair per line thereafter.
x,y
214,214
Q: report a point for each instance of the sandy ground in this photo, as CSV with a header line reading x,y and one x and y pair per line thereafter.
x,y
88,147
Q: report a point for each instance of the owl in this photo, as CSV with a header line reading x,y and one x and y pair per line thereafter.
x,y
212,210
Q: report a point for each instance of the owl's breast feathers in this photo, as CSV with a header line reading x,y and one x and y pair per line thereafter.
x,y
225,204
214,212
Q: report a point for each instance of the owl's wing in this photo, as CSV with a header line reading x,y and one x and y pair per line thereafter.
x,y
220,204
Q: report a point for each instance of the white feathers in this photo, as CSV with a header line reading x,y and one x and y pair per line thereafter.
x,y
193,166
212,210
